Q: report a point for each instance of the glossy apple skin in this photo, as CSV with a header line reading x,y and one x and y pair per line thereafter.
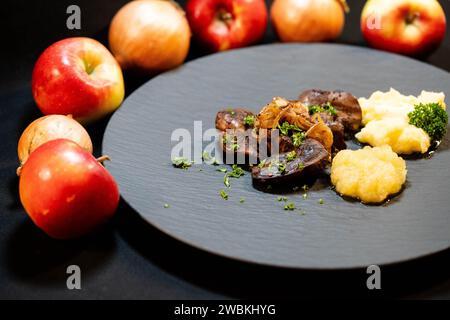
x,y
61,83
246,25
65,191
419,37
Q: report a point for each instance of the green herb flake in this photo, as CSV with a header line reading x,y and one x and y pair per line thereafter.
x,y
300,166
242,200
249,120
223,194
206,156
298,138
166,205
262,164
225,138
281,198
327,108
235,147
236,171
289,206
291,156
305,196
321,201
285,127
282,168
223,170
182,163
226,180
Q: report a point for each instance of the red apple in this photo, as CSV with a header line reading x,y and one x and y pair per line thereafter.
x,y
77,76
66,191
226,24
410,27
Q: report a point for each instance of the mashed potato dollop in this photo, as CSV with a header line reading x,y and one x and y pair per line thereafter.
x,y
369,174
385,116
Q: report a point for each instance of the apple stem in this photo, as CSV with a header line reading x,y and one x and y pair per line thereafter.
x,y
411,17
226,17
344,5
103,158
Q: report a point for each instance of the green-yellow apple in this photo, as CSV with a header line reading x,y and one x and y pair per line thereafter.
x,y
410,27
77,76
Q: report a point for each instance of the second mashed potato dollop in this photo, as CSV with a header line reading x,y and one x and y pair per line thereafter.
x,y
368,174
385,116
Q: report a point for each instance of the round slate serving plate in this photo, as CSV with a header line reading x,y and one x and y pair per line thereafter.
x,y
335,234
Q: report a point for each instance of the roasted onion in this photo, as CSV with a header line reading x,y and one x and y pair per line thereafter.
x,y
308,20
280,110
150,36
49,128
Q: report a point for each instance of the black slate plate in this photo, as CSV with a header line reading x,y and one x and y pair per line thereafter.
x,y
337,234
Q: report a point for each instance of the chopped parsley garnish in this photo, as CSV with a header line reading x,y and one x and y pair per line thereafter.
x,y
225,138
286,127
281,198
166,205
262,164
236,172
223,194
282,168
289,206
249,120
182,163
242,200
321,201
430,117
291,156
327,108
298,138
305,196
235,146
300,166
226,180
206,156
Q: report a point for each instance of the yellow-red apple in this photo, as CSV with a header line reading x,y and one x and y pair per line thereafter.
x,y
77,76
410,27
66,191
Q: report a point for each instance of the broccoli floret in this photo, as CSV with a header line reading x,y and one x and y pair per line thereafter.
x,y
431,117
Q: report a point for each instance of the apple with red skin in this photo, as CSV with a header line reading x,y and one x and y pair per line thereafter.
x,y
409,27
66,191
226,24
77,76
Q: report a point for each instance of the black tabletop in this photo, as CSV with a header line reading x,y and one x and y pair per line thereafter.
x,y
129,259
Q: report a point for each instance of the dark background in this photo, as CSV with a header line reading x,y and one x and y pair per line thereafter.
x,y
128,259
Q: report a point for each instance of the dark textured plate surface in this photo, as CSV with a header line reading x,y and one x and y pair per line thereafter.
x,y
336,234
